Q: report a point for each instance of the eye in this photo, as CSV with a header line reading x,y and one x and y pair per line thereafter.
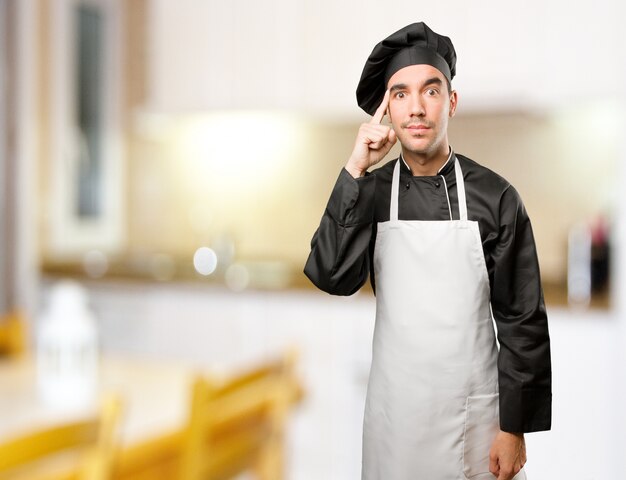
x,y
400,95
432,92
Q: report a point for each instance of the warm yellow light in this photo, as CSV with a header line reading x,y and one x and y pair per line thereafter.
x,y
239,145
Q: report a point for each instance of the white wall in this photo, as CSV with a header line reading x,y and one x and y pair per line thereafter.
x,y
18,197
26,238
618,290
309,54
3,159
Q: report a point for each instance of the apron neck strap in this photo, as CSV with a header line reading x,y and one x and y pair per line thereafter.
x,y
460,188
395,189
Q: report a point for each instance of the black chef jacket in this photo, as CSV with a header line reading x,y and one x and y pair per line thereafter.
x,y
343,246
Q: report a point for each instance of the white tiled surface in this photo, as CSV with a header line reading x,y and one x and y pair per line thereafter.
x,y
214,327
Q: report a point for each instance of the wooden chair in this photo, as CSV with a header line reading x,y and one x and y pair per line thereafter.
x,y
90,444
156,458
238,426
13,334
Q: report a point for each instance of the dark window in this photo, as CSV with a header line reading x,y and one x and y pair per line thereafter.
x,y
89,83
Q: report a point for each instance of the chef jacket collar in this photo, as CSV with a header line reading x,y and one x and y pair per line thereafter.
x,y
444,170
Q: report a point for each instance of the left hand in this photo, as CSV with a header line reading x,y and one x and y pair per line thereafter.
x,y
507,455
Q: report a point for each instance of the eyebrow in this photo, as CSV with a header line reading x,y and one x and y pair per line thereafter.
x,y
398,86
433,81
404,86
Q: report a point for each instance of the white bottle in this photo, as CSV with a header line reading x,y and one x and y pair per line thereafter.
x,y
67,349
579,266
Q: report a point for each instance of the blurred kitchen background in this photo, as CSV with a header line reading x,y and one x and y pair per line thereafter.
x,y
174,158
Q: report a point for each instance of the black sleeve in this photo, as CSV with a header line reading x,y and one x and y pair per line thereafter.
x,y
520,314
339,259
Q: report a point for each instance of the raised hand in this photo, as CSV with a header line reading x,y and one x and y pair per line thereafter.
x,y
373,142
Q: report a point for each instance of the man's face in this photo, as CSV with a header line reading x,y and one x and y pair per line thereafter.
x,y
419,108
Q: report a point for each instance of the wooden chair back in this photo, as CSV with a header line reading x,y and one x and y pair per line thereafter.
x,y
238,426
13,334
93,438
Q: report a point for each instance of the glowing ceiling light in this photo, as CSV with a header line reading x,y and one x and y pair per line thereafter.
x,y
205,261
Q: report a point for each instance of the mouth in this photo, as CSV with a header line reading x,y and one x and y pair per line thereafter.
x,y
416,128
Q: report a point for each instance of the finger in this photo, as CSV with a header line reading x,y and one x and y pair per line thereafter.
x,y
376,142
385,144
390,142
392,136
376,136
494,467
507,472
374,129
382,108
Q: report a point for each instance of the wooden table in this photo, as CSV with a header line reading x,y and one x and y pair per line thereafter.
x,y
155,405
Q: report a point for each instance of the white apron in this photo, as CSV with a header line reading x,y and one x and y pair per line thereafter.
x,y
432,401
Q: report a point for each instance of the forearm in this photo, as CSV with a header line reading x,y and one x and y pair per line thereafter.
x,y
518,307
525,381
524,364
339,259
338,262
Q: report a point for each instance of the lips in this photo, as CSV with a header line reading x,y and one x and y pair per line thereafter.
x,y
416,128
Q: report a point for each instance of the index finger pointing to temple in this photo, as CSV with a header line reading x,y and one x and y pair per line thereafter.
x,y
380,111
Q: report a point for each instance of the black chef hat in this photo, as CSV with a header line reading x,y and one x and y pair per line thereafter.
x,y
415,44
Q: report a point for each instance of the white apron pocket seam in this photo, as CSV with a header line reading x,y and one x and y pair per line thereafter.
x,y
481,424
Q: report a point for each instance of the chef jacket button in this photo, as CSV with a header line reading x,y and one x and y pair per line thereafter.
x,y
408,185
437,184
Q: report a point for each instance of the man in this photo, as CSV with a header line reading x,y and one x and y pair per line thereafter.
x,y
447,244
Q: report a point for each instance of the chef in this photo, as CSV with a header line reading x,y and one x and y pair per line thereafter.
x,y
449,248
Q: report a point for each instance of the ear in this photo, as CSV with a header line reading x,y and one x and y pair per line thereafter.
x,y
453,103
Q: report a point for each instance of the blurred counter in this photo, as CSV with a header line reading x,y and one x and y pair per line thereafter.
x,y
261,276
555,295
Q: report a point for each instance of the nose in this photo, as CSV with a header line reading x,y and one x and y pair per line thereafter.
x,y
417,108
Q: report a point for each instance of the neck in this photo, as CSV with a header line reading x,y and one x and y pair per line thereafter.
x,y
426,164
